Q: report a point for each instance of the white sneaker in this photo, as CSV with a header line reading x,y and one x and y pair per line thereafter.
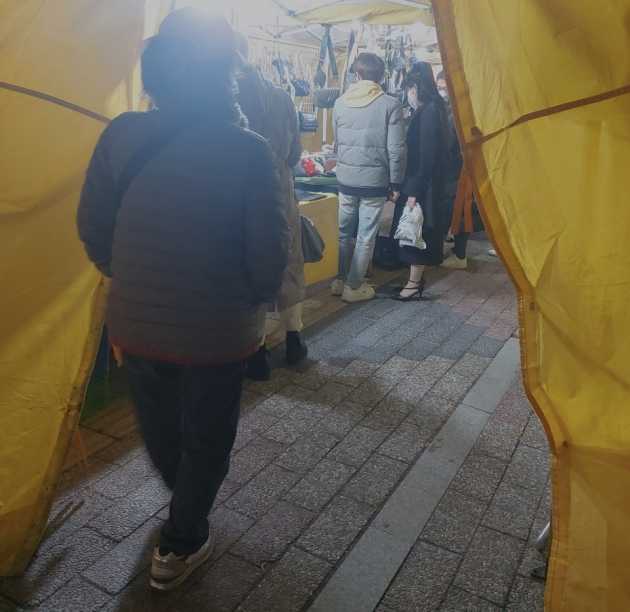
x,y
492,253
455,263
363,294
336,288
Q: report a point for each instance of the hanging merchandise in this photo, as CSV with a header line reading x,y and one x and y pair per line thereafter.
x,y
326,52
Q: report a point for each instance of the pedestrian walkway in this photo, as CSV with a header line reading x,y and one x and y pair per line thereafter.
x,y
400,470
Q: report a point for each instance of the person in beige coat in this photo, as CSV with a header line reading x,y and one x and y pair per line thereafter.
x,y
271,113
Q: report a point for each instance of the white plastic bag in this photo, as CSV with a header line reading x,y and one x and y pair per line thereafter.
x,y
409,231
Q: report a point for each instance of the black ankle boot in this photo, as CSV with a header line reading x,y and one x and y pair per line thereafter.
x,y
296,349
259,365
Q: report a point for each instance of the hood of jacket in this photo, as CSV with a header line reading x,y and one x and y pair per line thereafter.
x,y
362,94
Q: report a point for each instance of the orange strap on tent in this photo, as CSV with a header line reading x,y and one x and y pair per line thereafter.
x,y
462,209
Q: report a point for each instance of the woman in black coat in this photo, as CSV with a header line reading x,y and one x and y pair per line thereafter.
x,y
427,144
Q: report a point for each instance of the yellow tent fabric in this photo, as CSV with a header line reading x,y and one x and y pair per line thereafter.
x,y
374,12
64,70
542,98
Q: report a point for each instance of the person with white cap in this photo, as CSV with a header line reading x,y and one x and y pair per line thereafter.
x,y
194,255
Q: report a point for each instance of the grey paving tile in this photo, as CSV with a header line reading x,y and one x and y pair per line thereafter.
x,y
371,392
479,476
459,342
423,579
395,369
461,601
253,458
249,400
512,510
529,469
499,439
269,387
527,595
289,585
490,565
123,518
116,569
318,487
349,325
388,415
418,349
375,480
405,443
431,369
126,479
55,565
356,373
332,393
261,493
221,589
336,528
379,354
78,595
228,526
358,445
485,346
443,328
395,340
534,435
308,451
454,522
456,383
341,420
268,539
435,405
276,406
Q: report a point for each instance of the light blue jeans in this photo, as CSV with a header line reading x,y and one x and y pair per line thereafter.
x,y
358,217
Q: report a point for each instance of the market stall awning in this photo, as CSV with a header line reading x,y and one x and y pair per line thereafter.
x,y
373,12
542,98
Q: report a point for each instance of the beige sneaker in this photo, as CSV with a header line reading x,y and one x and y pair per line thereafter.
x,y
363,294
336,288
169,571
455,263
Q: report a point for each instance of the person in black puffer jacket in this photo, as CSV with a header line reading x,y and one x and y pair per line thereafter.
x,y
196,246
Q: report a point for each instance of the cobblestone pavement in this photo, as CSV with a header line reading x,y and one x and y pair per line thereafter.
x,y
319,451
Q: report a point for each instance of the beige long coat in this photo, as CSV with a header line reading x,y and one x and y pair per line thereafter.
x,y
271,113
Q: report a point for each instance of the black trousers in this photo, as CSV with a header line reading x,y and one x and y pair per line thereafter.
x,y
188,417
461,243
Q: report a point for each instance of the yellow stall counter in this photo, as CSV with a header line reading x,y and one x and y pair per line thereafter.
x,y
324,214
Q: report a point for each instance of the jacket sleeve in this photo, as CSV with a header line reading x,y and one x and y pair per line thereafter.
x,y
98,208
419,178
295,148
396,146
266,236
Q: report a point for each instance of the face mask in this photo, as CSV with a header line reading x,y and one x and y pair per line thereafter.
x,y
412,98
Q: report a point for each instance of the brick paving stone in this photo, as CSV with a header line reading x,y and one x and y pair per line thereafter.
x,y
456,383
418,349
529,469
514,407
461,601
428,424
534,435
222,588
454,522
379,354
116,569
405,443
459,342
431,369
250,399
332,394
55,565
479,476
485,346
123,518
527,595
340,421
388,415
349,325
289,585
336,528
375,480
253,458
410,390
356,373
435,405
358,445
228,526
318,487
261,493
78,595
395,369
377,309
268,539
443,328
277,406
501,330
395,340
423,579
371,392
269,387
490,565
308,451
126,479
499,439
512,510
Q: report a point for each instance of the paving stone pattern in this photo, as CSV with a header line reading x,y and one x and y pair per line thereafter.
x,y
319,451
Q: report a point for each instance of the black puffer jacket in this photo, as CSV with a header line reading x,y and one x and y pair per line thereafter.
x,y
198,244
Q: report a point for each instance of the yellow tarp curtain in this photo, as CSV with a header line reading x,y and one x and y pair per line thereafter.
x,y
65,67
542,97
379,12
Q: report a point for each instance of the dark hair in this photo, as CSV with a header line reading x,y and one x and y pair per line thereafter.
x,y
186,74
370,67
421,77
